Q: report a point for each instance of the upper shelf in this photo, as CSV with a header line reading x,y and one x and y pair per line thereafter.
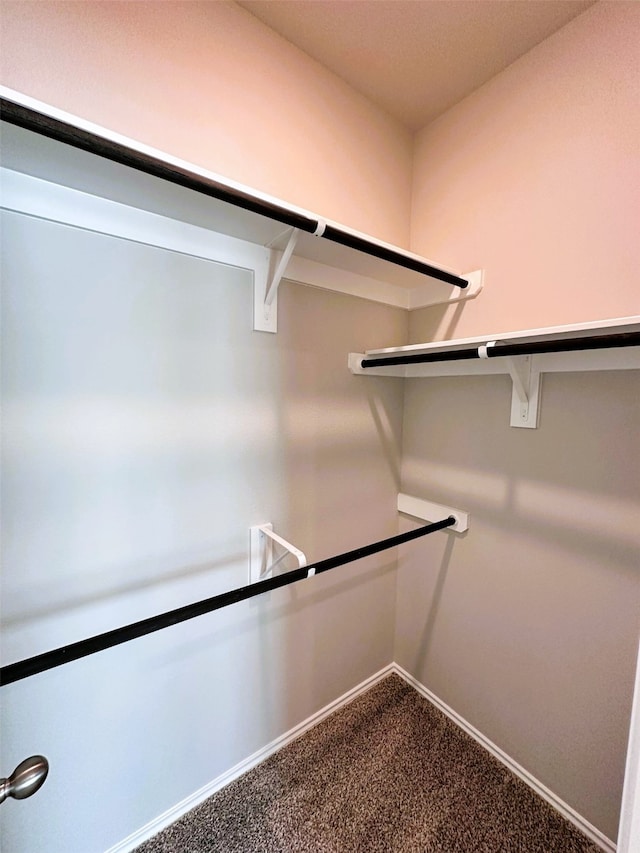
x,y
562,348
593,328
523,355
57,147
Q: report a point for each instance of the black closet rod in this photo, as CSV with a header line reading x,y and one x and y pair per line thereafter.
x,y
63,132
65,654
624,339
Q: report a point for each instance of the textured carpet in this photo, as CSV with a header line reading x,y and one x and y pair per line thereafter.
x,y
389,773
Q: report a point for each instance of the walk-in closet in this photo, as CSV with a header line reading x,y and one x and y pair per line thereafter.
x,y
320,425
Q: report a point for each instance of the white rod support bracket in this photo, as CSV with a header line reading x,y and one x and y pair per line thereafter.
x,y
276,278
266,282
430,512
261,563
476,283
423,295
354,363
526,391
265,317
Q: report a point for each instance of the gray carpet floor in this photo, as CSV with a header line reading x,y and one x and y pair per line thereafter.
x,y
388,773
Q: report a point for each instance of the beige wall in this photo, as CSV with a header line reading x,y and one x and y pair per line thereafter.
x,y
120,533
536,179
209,83
146,427
527,625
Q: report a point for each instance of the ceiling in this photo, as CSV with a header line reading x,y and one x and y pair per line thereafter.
x,y
415,58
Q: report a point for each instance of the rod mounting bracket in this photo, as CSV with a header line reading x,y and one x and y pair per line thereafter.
x,y
429,511
261,562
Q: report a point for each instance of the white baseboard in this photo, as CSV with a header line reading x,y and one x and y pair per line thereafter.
x,y
176,812
559,805
173,814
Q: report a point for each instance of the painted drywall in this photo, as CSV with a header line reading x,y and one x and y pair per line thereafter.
x,y
527,625
210,83
536,179
145,429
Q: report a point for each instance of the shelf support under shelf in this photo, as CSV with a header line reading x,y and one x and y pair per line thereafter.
x,y
266,284
284,257
526,391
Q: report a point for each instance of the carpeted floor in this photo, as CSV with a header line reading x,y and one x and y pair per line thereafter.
x,y
389,773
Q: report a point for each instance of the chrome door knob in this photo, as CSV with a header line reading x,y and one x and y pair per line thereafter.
x,y
25,780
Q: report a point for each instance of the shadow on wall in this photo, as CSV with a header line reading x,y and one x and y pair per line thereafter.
x,y
275,607
598,525
573,482
436,323
140,578
341,440
387,428
424,641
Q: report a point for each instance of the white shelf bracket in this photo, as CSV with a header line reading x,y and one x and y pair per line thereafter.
x,y
276,278
428,511
261,562
266,284
520,377
526,391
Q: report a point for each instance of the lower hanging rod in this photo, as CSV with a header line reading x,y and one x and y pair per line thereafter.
x,y
495,349
65,654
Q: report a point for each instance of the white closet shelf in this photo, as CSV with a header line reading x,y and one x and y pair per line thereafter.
x,y
524,355
64,150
